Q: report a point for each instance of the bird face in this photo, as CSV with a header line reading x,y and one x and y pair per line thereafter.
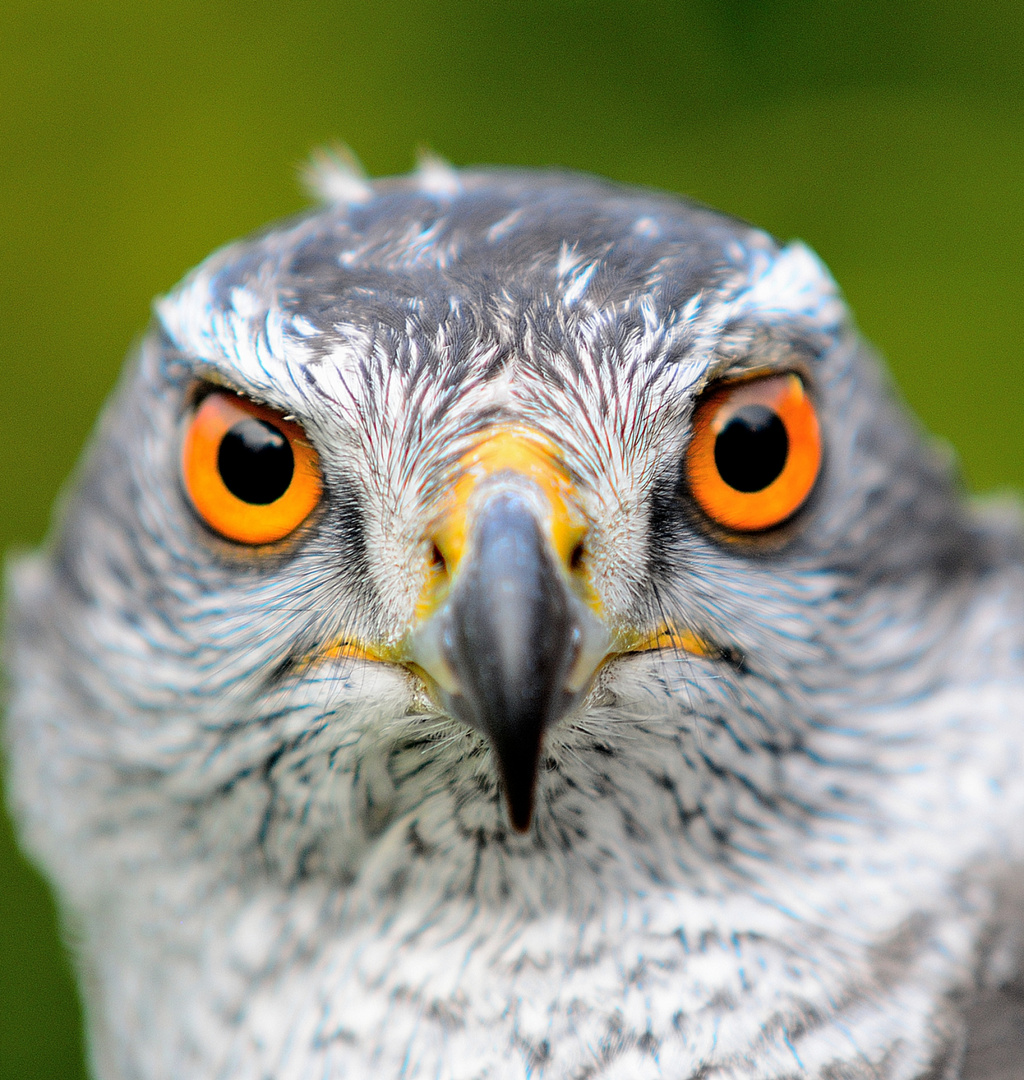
x,y
468,505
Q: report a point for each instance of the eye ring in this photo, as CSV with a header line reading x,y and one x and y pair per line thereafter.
x,y
251,475
755,452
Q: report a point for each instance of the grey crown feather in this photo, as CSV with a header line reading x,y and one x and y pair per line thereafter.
x,y
796,855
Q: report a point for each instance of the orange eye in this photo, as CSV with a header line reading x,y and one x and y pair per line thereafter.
x,y
251,475
755,452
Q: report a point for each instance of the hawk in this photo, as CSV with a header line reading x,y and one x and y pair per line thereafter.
x,y
504,626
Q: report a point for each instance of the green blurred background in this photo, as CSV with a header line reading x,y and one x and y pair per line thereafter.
x,y
138,136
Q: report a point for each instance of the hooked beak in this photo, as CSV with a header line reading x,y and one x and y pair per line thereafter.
x,y
509,629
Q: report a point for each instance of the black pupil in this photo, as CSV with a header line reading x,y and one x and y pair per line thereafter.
x,y
255,462
751,450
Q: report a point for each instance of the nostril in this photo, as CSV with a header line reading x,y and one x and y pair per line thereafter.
x,y
437,560
577,557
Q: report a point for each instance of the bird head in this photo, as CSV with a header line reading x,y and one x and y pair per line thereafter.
x,y
492,503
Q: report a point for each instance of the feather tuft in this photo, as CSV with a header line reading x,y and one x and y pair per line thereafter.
x,y
335,175
436,175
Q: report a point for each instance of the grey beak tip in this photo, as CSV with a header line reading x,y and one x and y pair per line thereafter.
x,y
517,767
520,815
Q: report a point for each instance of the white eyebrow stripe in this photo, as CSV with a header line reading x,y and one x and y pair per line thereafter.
x,y
249,341
794,284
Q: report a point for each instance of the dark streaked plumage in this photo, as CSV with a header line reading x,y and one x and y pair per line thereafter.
x,y
786,844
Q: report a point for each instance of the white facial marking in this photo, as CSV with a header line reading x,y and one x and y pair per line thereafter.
x,y
795,283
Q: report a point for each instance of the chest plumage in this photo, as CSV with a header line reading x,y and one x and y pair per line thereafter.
x,y
504,626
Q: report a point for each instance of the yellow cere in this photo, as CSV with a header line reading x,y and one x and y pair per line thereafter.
x,y
521,453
